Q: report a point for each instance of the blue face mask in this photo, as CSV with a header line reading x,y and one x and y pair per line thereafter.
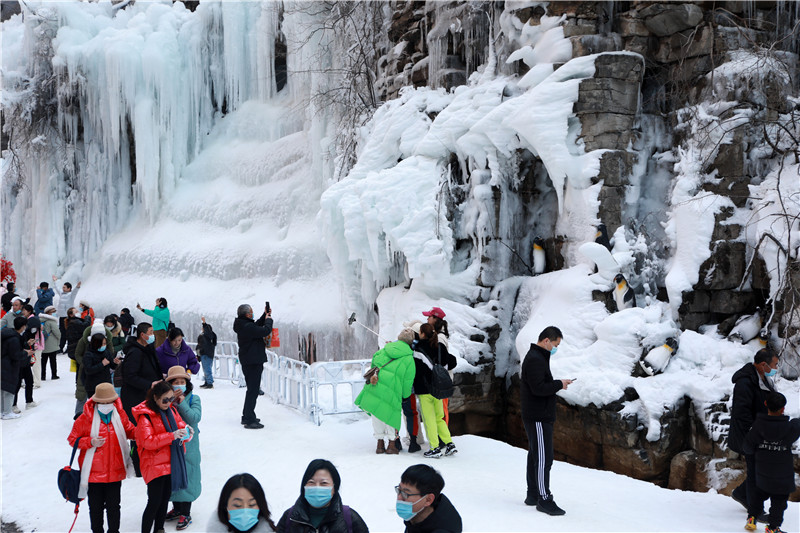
x,y
318,496
151,339
243,519
771,373
101,349
553,350
18,311
405,510
181,388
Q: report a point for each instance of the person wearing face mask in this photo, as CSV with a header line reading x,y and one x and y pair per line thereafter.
x,y
242,507
15,310
752,384
319,508
104,458
191,411
252,338
75,326
86,310
160,315
538,397
160,437
52,340
80,351
174,351
66,299
421,504
98,362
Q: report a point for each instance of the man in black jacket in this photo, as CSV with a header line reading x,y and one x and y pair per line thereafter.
x,y
752,383
252,338
770,441
140,368
421,504
538,394
13,356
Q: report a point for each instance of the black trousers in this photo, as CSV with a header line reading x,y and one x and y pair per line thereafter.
x,y
155,513
777,505
26,375
540,458
252,377
183,508
62,326
748,492
51,356
104,496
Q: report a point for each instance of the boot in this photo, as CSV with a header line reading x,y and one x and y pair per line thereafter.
x,y
380,448
413,446
391,449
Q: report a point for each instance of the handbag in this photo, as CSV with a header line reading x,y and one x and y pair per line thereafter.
x,y
69,480
371,375
441,383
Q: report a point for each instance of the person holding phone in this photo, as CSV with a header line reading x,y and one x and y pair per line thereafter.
x,y
253,337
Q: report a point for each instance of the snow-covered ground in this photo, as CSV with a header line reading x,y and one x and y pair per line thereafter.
x,y
485,480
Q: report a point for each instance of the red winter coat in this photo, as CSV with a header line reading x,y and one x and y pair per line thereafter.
x,y
153,441
108,465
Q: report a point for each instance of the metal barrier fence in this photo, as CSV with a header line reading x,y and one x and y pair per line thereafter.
x,y
323,388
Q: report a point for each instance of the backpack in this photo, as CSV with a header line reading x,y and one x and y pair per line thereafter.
x,y
69,480
441,384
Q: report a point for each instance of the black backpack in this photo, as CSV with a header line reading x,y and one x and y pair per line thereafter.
x,y
69,480
441,383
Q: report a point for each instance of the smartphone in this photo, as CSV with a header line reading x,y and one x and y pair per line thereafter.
x,y
268,308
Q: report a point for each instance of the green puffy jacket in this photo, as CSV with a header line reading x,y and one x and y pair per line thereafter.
x,y
395,380
160,317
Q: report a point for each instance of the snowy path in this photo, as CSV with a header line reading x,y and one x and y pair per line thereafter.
x,y
486,480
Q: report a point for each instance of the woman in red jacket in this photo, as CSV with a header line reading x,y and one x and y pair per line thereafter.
x,y
160,433
102,431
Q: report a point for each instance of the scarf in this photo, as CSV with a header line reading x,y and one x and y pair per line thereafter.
x,y
124,449
178,474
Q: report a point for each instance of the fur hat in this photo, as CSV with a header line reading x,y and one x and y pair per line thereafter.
x,y
104,393
49,308
84,303
407,336
176,372
98,327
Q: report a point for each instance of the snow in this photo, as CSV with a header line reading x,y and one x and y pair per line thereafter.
x,y
485,480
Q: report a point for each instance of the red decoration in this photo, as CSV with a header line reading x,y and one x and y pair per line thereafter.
x,y
7,271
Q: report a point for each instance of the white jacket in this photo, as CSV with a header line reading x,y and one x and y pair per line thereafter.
x,y
65,300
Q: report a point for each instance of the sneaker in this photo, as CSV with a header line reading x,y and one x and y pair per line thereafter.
x,y
775,529
16,409
172,515
254,425
433,453
244,422
413,446
55,377
751,523
30,405
183,522
450,449
549,507
11,416
532,500
206,386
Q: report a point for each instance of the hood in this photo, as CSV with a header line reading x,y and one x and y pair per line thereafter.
x,y
397,349
774,428
239,323
129,343
48,317
142,409
445,518
748,371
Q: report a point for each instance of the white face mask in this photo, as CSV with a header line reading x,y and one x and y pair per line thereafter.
x,y
105,408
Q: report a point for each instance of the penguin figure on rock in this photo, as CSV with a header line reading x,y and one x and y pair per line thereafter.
x,y
623,293
538,256
747,327
601,237
657,359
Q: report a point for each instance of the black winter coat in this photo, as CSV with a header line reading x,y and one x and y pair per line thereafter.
x,y
295,519
748,401
140,369
6,300
126,321
94,372
250,336
424,357
12,356
771,440
75,329
537,387
445,519
207,341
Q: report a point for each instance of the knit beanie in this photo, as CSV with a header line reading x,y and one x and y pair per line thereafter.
x,y
407,336
98,327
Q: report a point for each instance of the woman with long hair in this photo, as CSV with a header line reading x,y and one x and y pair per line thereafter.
x,y
242,507
160,433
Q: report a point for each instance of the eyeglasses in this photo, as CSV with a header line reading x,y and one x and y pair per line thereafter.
x,y
404,494
167,401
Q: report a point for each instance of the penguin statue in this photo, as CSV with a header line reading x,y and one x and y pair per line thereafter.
x,y
761,340
747,327
657,359
623,294
538,255
601,237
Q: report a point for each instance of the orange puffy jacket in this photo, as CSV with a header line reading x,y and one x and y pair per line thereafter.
x,y
108,465
153,441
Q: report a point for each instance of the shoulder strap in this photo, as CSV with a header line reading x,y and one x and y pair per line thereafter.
x,y
74,449
348,518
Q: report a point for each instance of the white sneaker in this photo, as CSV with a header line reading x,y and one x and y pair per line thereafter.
x,y
30,405
16,410
11,416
